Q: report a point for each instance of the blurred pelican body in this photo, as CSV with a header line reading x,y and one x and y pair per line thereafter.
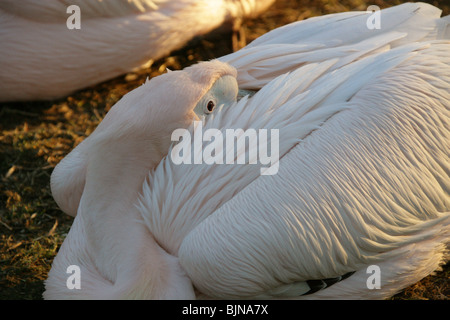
x,y
363,178
41,58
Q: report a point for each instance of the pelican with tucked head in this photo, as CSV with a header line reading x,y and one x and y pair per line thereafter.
x,y
363,175
101,179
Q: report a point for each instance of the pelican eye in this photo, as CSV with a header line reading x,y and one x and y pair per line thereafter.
x,y
210,106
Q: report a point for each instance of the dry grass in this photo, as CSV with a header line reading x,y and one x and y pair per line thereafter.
x,y
35,136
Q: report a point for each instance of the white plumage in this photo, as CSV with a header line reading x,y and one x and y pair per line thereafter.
x,y
42,59
363,179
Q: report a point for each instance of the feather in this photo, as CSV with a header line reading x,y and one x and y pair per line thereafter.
x,y
362,179
42,59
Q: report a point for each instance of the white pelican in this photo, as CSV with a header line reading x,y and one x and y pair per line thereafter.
x,y
363,179
41,58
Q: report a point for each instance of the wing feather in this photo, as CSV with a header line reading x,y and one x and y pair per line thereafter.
x,y
343,35
354,201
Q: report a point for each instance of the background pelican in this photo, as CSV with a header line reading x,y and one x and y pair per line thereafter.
x,y
363,176
41,58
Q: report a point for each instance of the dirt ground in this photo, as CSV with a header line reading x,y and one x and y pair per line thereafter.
x,y
35,136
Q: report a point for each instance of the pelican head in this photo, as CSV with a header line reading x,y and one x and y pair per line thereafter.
x,y
223,92
100,180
